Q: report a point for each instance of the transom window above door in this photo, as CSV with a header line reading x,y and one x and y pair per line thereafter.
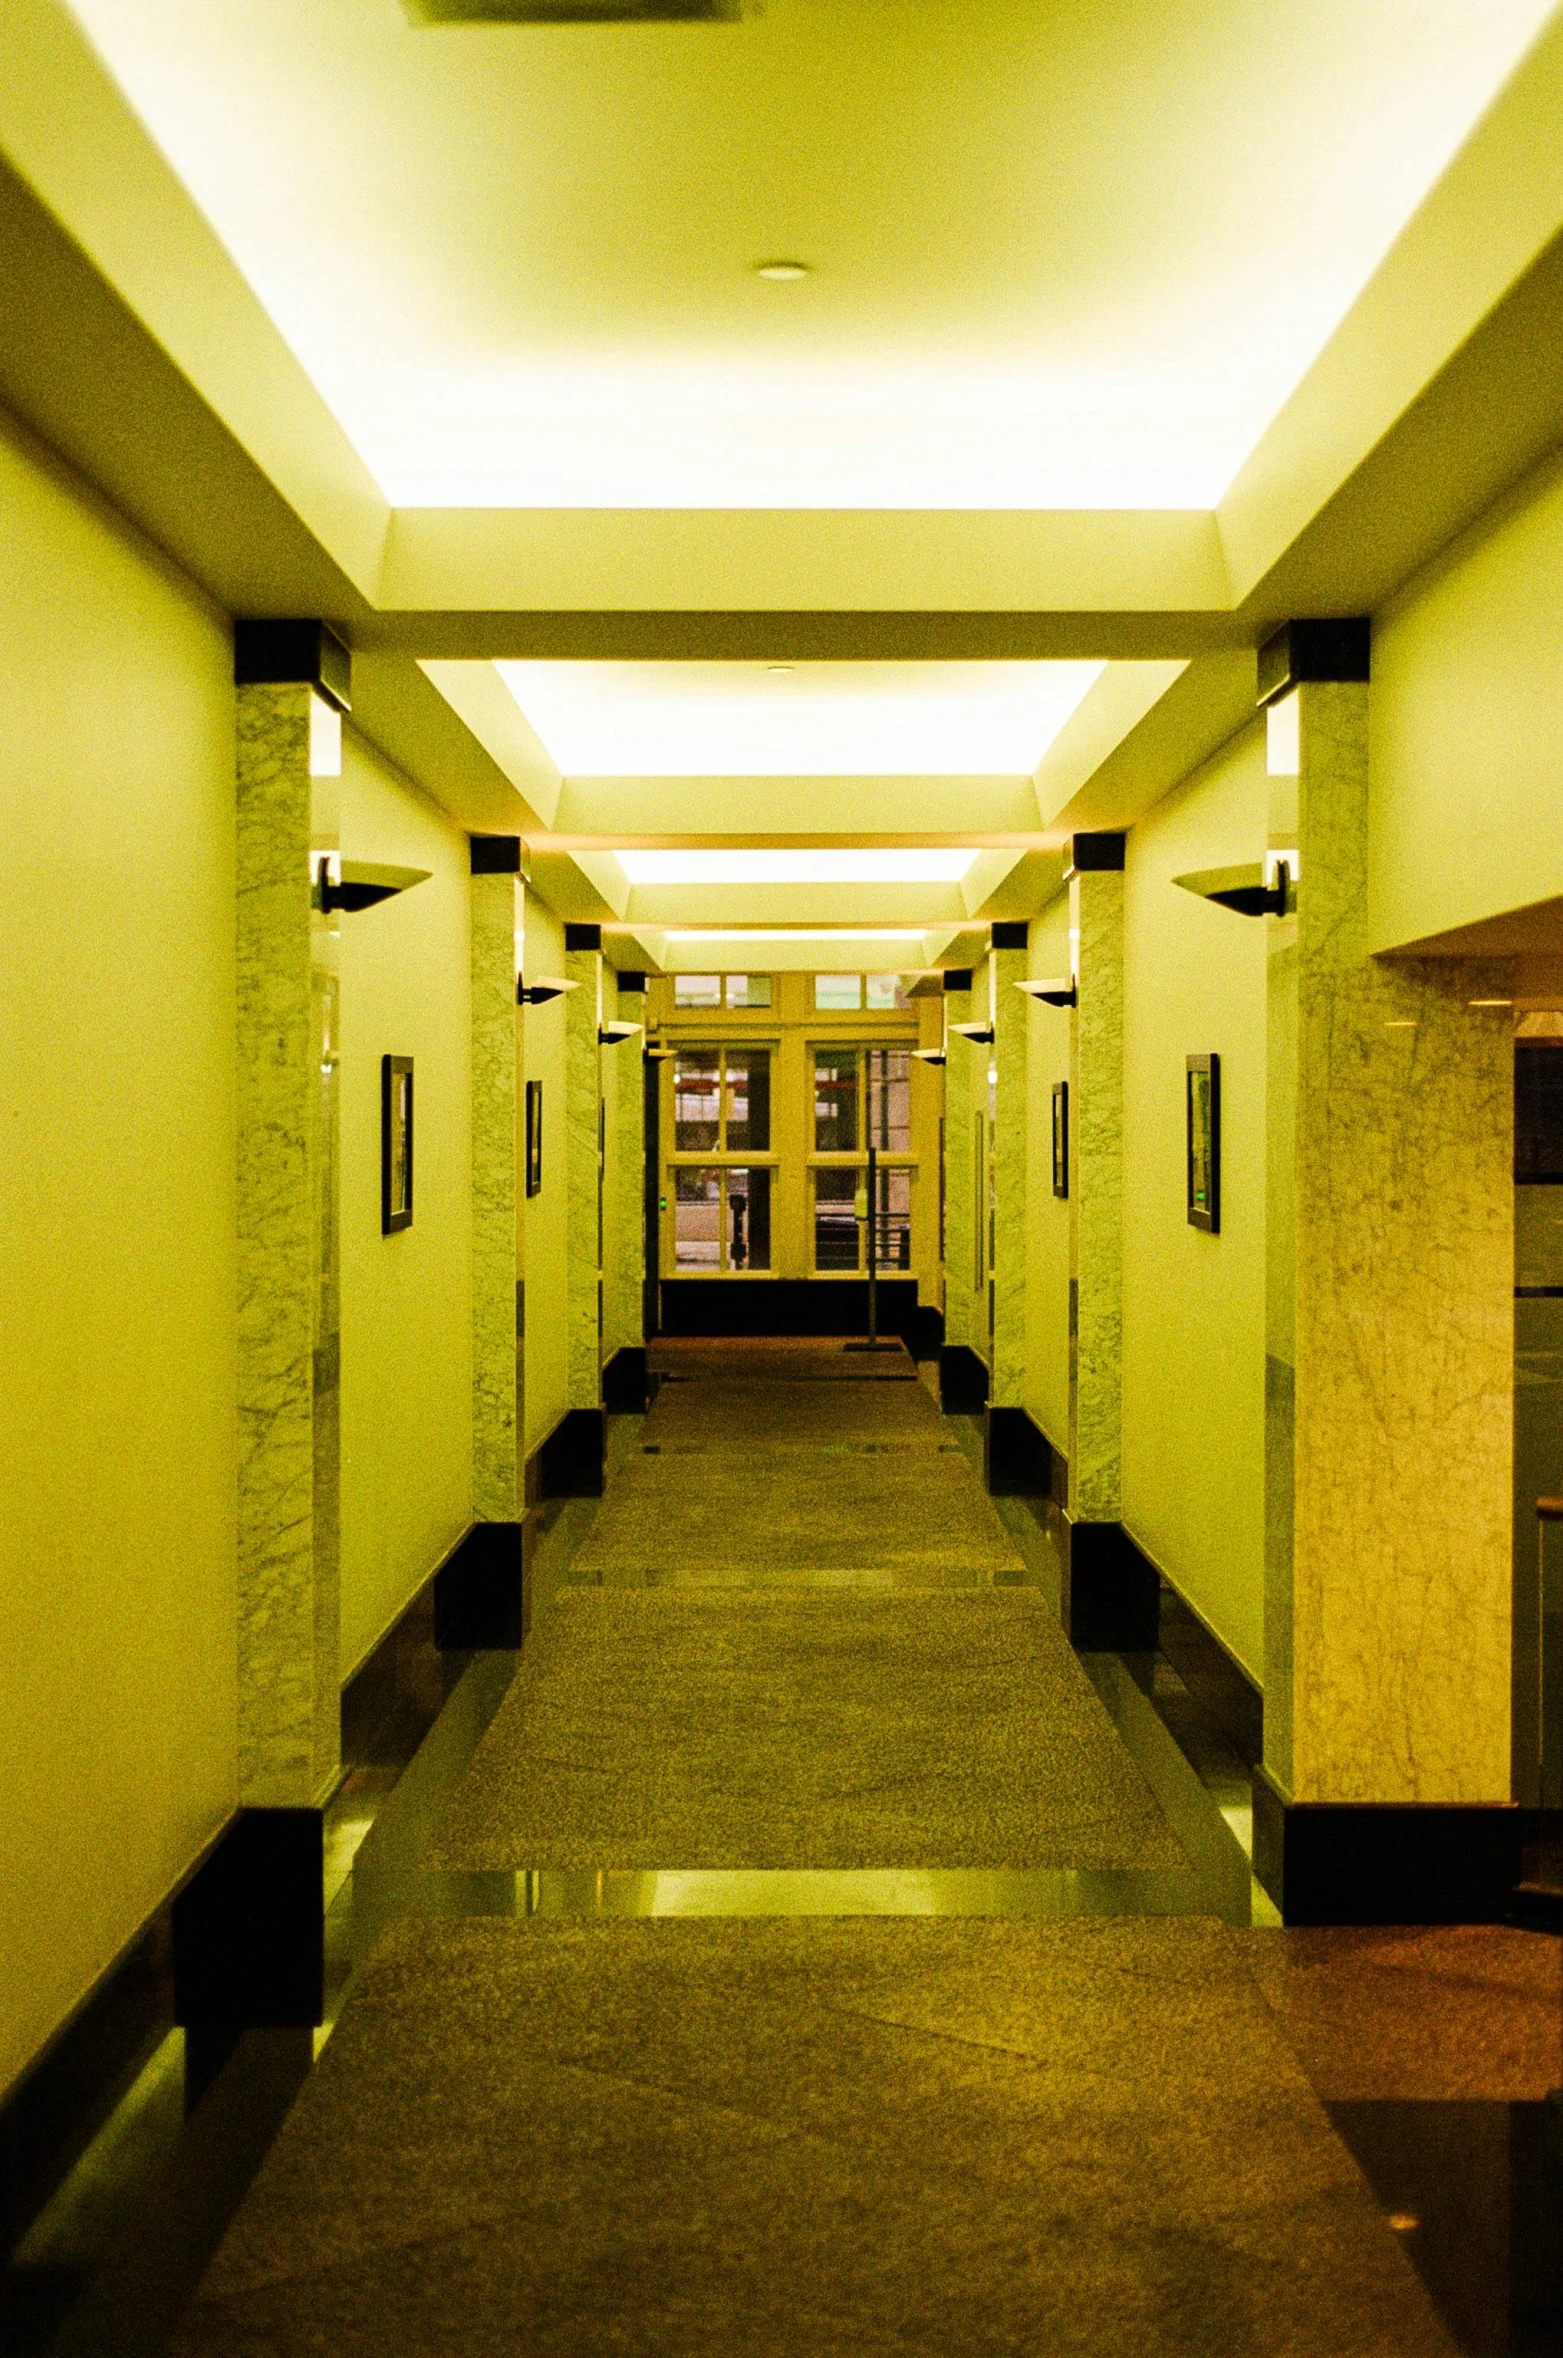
x,y
721,990
862,1097
880,994
722,1101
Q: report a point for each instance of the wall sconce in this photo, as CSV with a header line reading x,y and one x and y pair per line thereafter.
x,y
546,987
359,884
1059,993
1243,889
979,1034
609,1035
929,1055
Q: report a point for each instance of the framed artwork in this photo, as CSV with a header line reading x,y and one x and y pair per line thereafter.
x,y
1061,1138
1202,1084
534,1138
395,1144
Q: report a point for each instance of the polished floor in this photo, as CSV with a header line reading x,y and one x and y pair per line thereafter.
x,y
797,2101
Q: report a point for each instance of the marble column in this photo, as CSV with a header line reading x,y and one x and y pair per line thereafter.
x,y
624,1179
583,1167
497,918
1011,1026
1389,1392
288,1325
962,1369
1096,1185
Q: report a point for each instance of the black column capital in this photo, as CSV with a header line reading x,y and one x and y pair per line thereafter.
x,y
632,979
957,978
495,855
1010,934
309,653
1338,649
583,937
1100,853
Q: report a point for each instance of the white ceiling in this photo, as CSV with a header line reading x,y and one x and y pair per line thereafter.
x,y
805,720
1064,255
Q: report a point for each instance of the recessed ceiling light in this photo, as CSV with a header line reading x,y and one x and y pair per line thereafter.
x,y
781,670
781,269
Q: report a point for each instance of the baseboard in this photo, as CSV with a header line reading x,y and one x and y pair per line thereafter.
x,y
783,1306
923,1332
963,1380
570,1462
249,1927
1328,1862
1215,1679
1111,1598
1017,1456
480,1591
625,1382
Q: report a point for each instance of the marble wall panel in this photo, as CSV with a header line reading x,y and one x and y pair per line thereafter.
x,y
1401,1565
496,922
1096,1200
961,1103
584,1216
625,1186
1011,1141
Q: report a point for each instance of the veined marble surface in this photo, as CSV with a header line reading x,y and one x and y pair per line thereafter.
x,y
961,1100
1012,1030
624,1209
287,1375
1096,1200
1404,1332
584,1212
496,921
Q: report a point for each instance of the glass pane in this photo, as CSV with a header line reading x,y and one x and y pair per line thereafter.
x,y
893,1220
748,990
835,1100
697,1219
749,1219
748,1101
890,1099
886,990
697,990
835,1222
838,990
696,1099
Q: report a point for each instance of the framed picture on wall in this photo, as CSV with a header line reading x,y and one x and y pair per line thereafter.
x,y
395,1143
1202,1084
534,1138
1061,1138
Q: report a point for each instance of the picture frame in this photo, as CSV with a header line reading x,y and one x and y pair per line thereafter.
x,y
534,1138
1061,1138
1202,1117
396,1133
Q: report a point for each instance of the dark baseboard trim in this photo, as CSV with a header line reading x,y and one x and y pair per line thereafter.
x,y
923,1332
480,1591
783,1306
1328,1862
963,1380
1017,1455
570,1462
1111,1597
249,1927
1216,1681
625,1384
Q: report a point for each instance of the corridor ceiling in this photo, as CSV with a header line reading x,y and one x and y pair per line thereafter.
x,y
1122,333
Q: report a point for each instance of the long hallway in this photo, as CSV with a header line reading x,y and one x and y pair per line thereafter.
x,y
804,1961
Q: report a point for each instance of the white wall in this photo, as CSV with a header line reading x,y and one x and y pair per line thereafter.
x,y
1466,777
1193,1334
117,1285
407,1298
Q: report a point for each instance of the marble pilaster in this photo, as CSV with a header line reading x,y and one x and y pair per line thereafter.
x,y
583,1171
624,1183
288,1317
1390,1273
1012,1027
496,926
1096,1198
961,1104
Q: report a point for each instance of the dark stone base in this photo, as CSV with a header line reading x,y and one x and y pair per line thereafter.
x,y
625,1383
923,1332
249,1927
1112,1593
783,1306
1220,1686
963,1381
478,1591
1017,1456
1386,1862
571,1460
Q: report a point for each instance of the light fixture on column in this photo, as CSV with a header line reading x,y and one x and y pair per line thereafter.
x,y
1244,889
1060,992
360,884
929,1055
979,1034
611,1034
546,987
